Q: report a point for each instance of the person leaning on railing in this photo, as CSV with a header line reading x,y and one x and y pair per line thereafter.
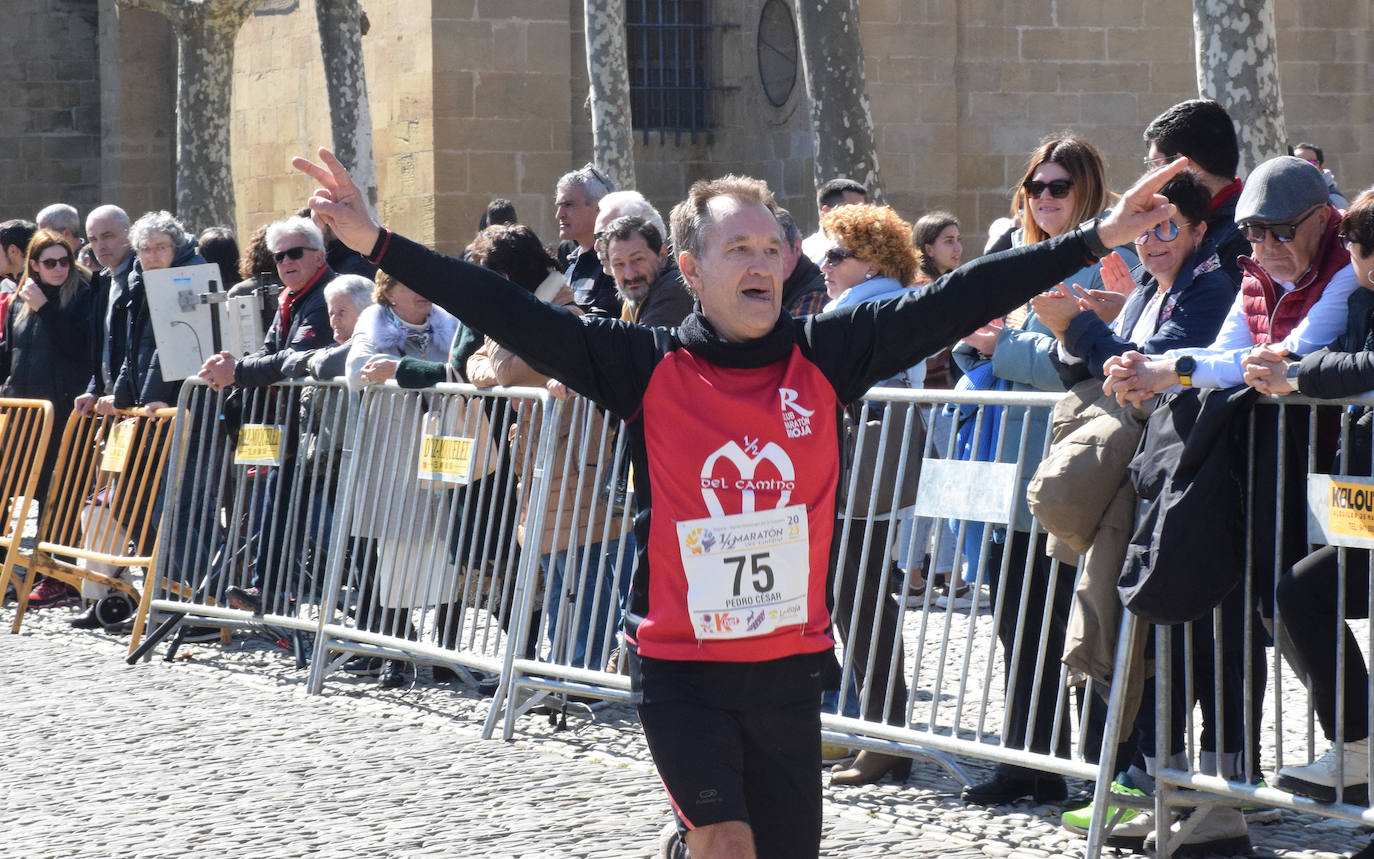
x,y
1308,592
871,258
1292,300
1175,299
1064,184
402,323
729,699
580,573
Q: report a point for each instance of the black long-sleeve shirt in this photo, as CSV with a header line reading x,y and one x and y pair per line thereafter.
x,y
688,409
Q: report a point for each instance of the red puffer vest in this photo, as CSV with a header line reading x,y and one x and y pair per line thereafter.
x,y
1271,313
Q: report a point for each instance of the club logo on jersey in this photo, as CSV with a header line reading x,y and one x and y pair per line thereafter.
x,y
746,484
796,419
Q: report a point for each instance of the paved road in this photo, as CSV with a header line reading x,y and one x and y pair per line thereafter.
x,y
222,754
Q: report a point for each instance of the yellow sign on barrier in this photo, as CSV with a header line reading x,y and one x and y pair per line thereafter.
x,y
1340,510
116,455
259,444
446,458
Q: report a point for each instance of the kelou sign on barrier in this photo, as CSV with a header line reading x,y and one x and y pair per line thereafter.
x,y
1340,510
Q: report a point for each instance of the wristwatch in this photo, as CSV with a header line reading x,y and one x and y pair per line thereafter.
x,y
1088,229
1185,366
1291,374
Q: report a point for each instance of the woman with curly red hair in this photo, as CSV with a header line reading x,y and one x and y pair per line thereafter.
x,y
870,257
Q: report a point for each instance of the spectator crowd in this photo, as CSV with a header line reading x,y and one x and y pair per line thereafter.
x,y
1159,347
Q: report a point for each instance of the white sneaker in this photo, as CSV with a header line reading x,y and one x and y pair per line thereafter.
x,y
964,600
670,843
1318,779
1131,834
1215,831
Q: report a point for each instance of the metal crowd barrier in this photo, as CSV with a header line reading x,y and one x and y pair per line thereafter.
x,y
25,431
489,531
429,564
1301,498
251,507
97,524
932,684
584,563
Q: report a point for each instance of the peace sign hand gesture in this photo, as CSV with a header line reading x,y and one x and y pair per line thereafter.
x,y
339,203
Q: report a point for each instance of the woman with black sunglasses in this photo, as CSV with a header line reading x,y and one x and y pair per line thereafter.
x,y
45,338
44,353
1064,185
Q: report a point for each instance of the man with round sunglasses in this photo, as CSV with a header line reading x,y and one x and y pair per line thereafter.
x,y
302,322
302,325
1293,294
1292,301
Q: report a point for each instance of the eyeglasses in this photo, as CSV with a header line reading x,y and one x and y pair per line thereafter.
x,y
1165,232
1347,241
163,248
1284,233
835,256
290,253
1153,164
1059,188
56,262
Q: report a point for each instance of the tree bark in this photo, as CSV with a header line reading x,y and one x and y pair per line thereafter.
x,y
345,75
1238,67
612,133
841,122
205,33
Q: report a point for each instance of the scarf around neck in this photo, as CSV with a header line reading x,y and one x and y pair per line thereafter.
x,y
700,338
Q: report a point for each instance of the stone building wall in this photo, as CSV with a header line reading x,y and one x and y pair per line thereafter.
x,y
962,90
49,106
501,111
138,60
477,98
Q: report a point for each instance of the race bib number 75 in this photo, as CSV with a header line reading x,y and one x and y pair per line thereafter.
x,y
747,574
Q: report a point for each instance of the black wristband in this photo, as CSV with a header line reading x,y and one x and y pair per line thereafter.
x,y
379,247
1088,230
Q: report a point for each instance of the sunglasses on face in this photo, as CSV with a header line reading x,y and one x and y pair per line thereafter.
x,y
56,262
1348,243
1059,188
1283,233
1165,232
290,253
835,256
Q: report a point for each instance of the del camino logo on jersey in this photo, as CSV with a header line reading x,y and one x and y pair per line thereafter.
x,y
747,459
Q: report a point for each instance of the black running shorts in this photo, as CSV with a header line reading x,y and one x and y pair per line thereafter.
x,y
739,741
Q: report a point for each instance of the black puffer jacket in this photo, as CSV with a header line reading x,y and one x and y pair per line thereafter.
x,y
45,355
140,376
307,329
1346,368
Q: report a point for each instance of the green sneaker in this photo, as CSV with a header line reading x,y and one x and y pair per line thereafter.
x,y
1262,815
1080,819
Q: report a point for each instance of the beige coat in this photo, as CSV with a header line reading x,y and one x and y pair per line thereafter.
x,y
1083,496
576,485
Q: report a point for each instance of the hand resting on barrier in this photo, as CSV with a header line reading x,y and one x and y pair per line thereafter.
x,y
1266,369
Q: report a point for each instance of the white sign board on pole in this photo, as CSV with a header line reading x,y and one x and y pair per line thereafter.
x,y
243,331
181,322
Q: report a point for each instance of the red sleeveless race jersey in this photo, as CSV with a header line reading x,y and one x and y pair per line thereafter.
x,y
721,442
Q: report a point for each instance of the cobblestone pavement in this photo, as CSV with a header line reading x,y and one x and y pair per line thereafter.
x,y
222,753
